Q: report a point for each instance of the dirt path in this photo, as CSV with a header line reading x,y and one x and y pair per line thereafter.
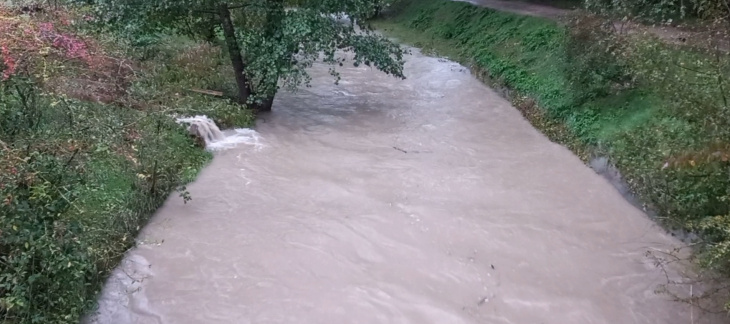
x,y
668,34
522,8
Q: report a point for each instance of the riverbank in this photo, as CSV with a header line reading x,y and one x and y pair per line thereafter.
x,y
594,104
89,149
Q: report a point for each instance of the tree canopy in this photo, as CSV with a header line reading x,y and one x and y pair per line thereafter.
x,y
271,42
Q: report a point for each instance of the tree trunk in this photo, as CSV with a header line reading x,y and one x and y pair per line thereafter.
x,y
378,10
269,86
266,104
244,89
209,29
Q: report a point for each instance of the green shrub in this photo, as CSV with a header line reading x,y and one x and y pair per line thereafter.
x,y
75,187
593,68
20,111
43,257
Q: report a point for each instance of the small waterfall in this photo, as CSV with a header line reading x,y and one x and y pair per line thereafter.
x,y
203,127
215,139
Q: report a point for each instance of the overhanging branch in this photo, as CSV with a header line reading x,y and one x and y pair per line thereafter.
x,y
206,12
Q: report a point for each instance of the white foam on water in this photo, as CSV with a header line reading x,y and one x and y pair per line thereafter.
x,y
245,136
217,140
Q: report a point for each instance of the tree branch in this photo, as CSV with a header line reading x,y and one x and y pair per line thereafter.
x,y
241,6
206,12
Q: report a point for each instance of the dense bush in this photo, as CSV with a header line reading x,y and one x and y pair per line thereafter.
x,y
76,180
693,83
594,70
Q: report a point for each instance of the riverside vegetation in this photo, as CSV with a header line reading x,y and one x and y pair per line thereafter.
x,y
658,109
88,144
87,152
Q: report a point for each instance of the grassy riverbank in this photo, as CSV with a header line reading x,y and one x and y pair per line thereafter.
x,y
598,100
89,150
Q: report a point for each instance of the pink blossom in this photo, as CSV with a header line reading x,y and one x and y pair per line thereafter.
x,y
46,27
74,47
8,63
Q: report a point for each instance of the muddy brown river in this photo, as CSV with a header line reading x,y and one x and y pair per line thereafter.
x,y
426,200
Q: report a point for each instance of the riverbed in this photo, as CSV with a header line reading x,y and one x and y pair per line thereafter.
x,y
378,200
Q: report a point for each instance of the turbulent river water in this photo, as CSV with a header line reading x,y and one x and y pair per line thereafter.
x,y
426,200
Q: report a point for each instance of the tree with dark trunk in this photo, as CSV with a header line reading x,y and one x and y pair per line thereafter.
x,y
234,52
271,43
